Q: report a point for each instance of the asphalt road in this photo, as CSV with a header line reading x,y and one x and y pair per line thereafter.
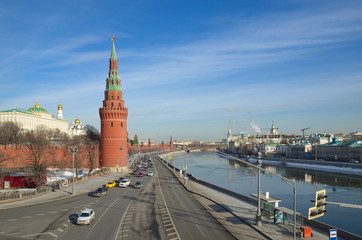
x,y
191,220
55,220
161,209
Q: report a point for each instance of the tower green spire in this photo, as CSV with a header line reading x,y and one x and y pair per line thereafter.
x,y
113,51
113,80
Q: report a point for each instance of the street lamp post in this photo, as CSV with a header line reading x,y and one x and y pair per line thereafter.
x,y
74,150
185,171
120,148
258,214
295,205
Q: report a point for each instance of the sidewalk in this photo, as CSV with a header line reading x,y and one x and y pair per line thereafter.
x,y
80,187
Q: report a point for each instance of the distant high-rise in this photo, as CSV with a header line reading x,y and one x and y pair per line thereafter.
x,y
113,117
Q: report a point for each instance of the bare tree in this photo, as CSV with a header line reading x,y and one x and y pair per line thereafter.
x,y
92,133
9,133
4,157
38,152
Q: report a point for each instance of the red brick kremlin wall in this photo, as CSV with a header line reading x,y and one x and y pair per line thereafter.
x,y
60,157
56,156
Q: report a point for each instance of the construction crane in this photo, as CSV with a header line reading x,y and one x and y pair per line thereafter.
x,y
304,130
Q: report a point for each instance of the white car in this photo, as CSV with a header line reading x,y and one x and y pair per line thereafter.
x,y
150,173
124,183
86,216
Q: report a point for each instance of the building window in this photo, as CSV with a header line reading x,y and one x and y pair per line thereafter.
x,y
121,124
111,124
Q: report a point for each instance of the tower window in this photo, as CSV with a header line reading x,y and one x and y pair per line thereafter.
x,y
121,124
111,124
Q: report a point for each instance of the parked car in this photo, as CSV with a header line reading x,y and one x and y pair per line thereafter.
x,y
124,183
150,173
86,217
140,174
138,184
100,192
111,184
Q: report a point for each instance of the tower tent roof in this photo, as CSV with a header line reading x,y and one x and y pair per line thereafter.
x,y
113,80
113,51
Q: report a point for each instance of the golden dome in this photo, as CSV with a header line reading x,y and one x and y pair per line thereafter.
x,y
77,121
60,107
37,105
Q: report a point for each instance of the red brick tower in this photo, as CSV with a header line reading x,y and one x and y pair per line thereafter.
x,y
113,116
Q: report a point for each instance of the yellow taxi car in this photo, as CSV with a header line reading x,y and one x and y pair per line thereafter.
x,y
111,184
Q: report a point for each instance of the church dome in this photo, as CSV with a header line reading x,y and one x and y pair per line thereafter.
x,y
77,121
37,108
60,107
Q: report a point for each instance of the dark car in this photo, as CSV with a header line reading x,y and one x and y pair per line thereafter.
x,y
140,174
100,192
138,184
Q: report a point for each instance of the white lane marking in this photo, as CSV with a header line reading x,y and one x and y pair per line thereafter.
x,y
60,230
27,217
109,207
41,214
198,227
165,206
11,220
37,234
52,212
123,218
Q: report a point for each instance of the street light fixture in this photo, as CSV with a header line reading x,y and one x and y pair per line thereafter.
x,y
258,214
74,150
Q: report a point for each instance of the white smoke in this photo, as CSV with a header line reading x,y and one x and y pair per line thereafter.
x,y
255,126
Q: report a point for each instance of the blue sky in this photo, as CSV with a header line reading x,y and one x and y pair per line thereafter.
x,y
189,69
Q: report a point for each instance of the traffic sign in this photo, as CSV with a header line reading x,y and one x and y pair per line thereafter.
x,y
332,234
